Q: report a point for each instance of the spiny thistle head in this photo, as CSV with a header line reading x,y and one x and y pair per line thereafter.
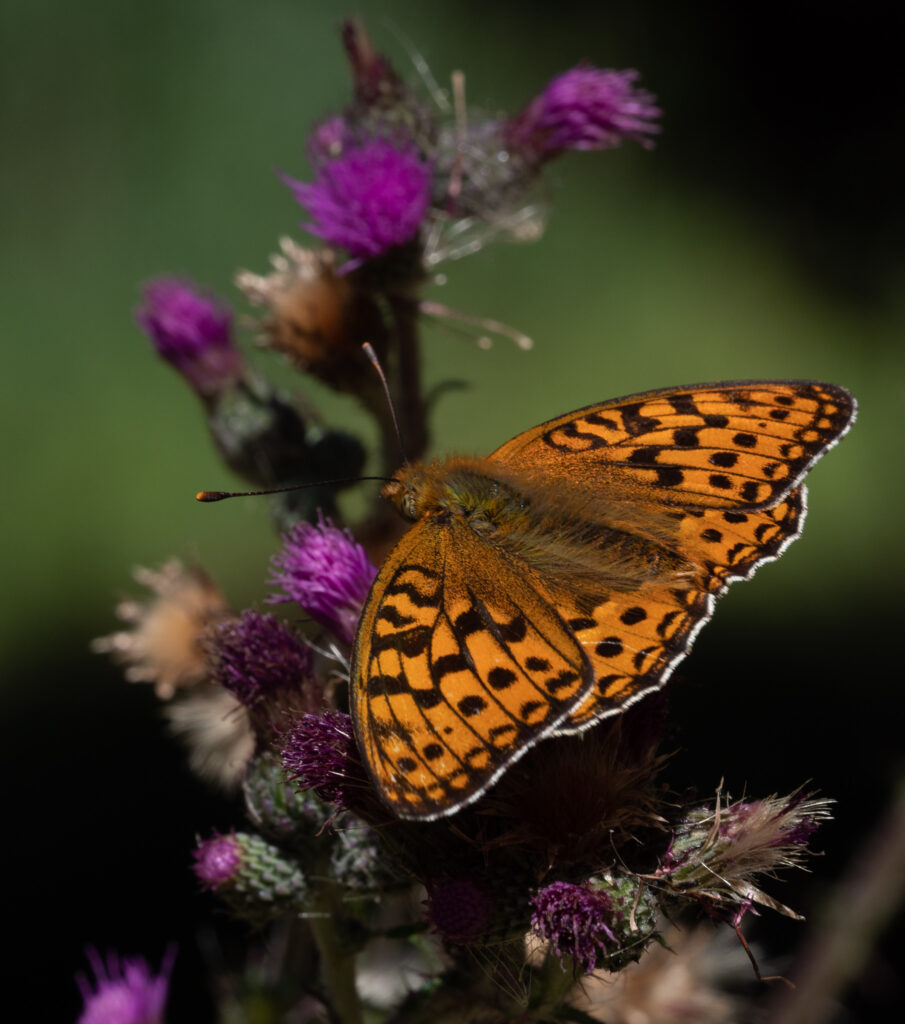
x,y
256,655
267,668
633,918
320,754
585,108
124,991
326,572
383,105
718,851
577,921
192,332
252,876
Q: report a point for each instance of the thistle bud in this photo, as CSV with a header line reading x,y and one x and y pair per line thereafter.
x,y
262,437
256,880
358,861
192,332
383,104
277,808
633,917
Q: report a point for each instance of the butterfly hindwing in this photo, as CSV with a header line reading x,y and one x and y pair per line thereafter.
x,y
460,666
634,640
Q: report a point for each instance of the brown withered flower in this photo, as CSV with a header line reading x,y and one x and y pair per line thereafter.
x,y
164,645
317,317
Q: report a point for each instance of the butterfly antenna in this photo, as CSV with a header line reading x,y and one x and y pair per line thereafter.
x,y
375,362
221,495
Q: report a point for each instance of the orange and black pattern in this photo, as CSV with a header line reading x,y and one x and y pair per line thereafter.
x,y
467,654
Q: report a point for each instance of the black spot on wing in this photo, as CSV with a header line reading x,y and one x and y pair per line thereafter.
x,y
471,705
686,437
499,678
632,616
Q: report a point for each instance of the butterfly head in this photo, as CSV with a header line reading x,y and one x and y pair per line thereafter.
x,y
408,491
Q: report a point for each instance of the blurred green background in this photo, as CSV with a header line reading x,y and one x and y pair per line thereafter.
x,y
761,238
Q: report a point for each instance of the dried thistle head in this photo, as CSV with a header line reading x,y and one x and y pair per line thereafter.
x,y
217,732
164,645
719,851
584,798
316,316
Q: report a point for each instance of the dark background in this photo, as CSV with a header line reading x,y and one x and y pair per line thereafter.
x,y
762,237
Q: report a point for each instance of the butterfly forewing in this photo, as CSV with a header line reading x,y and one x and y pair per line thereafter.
x,y
460,666
733,445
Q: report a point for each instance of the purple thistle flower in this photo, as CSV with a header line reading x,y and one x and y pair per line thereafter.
x,y
320,754
460,909
192,332
327,572
256,656
575,920
124,991
585,108
368,200
217,861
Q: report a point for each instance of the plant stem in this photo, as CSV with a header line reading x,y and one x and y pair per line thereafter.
x,y
337,960
408,397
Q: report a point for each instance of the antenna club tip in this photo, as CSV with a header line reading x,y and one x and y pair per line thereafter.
x,y
209,496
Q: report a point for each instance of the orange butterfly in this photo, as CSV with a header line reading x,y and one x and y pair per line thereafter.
x,y
561,579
